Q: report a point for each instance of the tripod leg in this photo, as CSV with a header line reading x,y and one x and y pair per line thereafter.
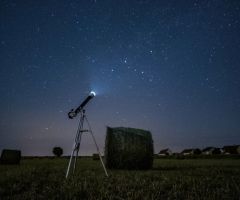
x,y
77,151
75,147
90,130
70,161
100,156
75,160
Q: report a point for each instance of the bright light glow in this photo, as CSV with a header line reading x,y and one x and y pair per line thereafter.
x,y
92,93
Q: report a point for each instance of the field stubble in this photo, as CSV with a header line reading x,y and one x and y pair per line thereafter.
x,y
169,179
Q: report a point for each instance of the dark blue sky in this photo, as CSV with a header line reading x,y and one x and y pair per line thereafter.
x,y
171,67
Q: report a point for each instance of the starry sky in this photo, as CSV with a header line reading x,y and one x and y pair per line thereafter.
x,y
171,67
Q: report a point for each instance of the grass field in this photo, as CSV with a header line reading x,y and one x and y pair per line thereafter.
x,y
169,179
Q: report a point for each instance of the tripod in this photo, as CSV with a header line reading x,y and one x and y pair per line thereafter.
x,y
77,142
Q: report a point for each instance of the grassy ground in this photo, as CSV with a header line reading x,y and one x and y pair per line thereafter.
x,y
169,179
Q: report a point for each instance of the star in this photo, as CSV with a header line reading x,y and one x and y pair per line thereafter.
x,y
153,65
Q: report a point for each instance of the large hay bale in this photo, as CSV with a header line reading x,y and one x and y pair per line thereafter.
x,y
10,156
128,148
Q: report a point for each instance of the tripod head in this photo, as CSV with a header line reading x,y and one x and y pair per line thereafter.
x,y
73,113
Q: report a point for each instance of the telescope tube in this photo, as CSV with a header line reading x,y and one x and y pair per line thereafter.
x,y
73,113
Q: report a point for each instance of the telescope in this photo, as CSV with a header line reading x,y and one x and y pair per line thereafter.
x,y
73,113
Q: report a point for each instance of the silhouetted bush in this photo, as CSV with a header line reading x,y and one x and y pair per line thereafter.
x,y
57,151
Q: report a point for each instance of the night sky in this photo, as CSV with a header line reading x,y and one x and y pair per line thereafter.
x,y
171,67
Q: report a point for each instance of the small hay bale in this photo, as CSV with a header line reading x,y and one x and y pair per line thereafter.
x,y
95,156
128,148
10,156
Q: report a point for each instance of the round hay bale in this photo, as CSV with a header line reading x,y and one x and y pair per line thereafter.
x,y
128,148
9,156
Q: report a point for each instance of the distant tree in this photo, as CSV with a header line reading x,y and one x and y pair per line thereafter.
x,y
57,151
